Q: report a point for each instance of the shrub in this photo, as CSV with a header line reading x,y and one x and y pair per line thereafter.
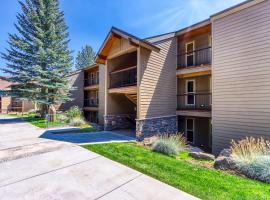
x,y
74,112
170,144
32,111
62,118
252,158
77,121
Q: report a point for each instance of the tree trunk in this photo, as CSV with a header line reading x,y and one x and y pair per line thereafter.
x,y
44,110
36,106
52,112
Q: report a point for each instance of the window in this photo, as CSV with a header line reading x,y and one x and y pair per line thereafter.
x,y
190,129
190,92
190,57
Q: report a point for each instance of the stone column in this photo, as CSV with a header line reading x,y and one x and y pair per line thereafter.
x,y
155,126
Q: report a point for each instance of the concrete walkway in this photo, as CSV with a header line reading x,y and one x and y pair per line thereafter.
x,y
33,167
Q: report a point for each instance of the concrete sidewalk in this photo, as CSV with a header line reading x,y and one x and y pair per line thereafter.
x,y
37,168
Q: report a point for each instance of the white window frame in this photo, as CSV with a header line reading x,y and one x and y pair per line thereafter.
x,y
193,53
187,93
193,120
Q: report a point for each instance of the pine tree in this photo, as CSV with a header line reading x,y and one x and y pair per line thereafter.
x,y
38,58
85,57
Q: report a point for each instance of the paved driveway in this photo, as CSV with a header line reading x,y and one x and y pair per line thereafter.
x,y
37,167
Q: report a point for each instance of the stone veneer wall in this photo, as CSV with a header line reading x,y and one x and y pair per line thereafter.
x,y
154,126
120,121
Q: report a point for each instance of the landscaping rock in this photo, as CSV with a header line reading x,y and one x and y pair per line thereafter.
x,y
224,163
202,156
226,153
149,140
195,149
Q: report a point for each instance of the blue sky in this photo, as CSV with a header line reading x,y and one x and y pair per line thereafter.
x,y
90,20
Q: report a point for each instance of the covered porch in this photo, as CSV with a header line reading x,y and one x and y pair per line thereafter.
x,y
197,130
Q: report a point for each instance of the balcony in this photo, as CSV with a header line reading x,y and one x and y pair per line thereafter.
x,y
195,58
91,103
16,104
194,102
90,82
124,77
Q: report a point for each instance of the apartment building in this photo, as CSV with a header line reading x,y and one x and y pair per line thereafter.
x,y
209,81
91,93
86,92
12,104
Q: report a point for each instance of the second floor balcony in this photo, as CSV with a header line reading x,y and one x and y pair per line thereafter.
x,y
90,102
90,82
201,101
124,77
194,58
16,104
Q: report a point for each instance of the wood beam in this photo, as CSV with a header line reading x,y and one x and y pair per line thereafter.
x,y
116,35
189,75
133,43
102,57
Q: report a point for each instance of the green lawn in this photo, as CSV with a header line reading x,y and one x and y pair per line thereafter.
x,y
41,123
201,182
38,122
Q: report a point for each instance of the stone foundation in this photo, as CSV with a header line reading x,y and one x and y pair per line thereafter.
x,y
153,126
121,121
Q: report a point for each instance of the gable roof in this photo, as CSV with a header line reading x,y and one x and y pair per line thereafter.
x,y
90,67
116,34
4,84
161,37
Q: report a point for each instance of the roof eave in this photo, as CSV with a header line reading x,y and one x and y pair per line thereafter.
x,y
193,27
135,41
234,9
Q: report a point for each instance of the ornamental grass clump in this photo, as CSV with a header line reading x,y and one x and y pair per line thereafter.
x,y
77,122
170,144
252,158
63,118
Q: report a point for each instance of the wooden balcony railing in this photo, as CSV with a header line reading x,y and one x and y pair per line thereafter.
x,y
195,58
124,77
90,82
194,101
91,103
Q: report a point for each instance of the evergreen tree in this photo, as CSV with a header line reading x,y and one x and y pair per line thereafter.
x,y
85,57
38,58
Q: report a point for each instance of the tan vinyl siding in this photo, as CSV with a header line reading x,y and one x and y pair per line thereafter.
x,y
101,94
157,86
241,74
